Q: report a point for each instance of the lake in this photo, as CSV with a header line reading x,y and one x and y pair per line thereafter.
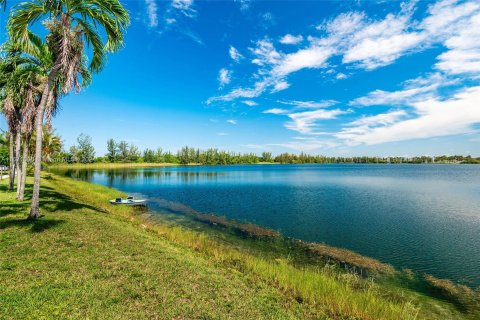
x,y
422,217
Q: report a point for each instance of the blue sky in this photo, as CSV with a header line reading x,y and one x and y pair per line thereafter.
x,y
326,77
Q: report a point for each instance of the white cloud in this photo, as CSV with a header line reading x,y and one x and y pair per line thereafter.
x,y
341,76
244,5
268,20
434,118
379,119
265,53
250,103
344,24
185,7
368,43
312,57
280,85
291,39
223,134
414,89
309,104
152,13
231,121
307,145
234,54
307,121
463,55
224,77
446,16
240,93
276,111
381,42
170,20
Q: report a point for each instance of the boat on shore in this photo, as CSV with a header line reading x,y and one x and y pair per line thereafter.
x,y
129,201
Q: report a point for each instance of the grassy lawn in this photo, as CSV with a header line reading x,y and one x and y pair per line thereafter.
x,y
87,259
80,262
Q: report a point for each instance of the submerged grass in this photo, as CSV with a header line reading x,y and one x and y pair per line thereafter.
x,y
86,258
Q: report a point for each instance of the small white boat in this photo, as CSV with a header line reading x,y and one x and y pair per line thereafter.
x,y
130,201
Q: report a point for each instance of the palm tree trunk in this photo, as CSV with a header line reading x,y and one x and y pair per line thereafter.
x,y
12,161
23,176
18,170
35,206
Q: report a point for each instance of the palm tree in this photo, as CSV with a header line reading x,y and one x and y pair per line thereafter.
x,y
22,78
10,103
51,144
72,26
3,147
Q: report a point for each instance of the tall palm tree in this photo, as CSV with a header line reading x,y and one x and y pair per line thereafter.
x,y
10,103
72,26
21,81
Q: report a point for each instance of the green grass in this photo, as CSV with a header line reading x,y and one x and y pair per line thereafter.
x,y
87,259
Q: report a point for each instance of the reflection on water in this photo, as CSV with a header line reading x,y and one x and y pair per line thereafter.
x,y
423,217
147,176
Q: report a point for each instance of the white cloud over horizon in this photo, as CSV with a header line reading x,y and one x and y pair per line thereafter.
x,y
432,117
418,109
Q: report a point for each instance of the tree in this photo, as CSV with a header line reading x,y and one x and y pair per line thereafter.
x,y
22,78
112,149
123,151
149,156
51,144
10,106
3,152
133,154
85,150
72,26
267,157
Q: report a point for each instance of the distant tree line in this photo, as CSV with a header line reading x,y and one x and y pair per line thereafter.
x,y
124,152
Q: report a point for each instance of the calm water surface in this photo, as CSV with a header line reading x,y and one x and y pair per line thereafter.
x,y
423,217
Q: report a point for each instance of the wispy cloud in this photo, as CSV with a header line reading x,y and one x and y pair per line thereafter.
x,y
309,104
231,121
291,39
244,5
280,85
463,55
152,13
367,43
431,117
250,103
185,7
224,77
234,54
415,89
276,111
307,145
307,122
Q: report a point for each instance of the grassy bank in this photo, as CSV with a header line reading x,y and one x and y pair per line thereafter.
x,y
88,259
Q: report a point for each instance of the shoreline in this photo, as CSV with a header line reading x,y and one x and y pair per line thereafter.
x,y
295,268
116,165
245,227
